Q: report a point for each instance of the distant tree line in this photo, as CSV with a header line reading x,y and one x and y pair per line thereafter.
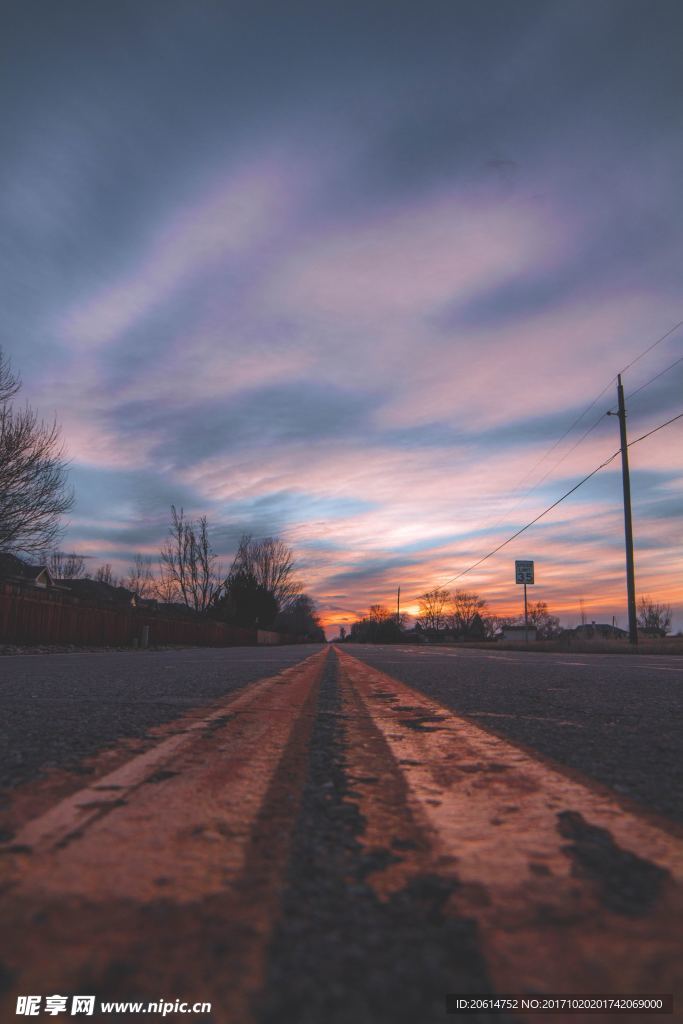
x,y
448,615
260,590
464,615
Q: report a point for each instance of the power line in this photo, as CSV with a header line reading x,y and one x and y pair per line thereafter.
x,y
647,383
550,451
595,401
551,469
653,345
660,427
569,451
656,377
533,521
569,429
512,504
576,422
559,500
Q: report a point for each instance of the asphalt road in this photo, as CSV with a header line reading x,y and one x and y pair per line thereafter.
x,y
330,843
56,709
617,719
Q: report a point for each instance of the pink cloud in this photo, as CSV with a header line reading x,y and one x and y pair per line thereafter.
x,y
240,215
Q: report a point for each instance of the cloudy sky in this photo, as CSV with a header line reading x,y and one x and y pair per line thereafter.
x,y
346,272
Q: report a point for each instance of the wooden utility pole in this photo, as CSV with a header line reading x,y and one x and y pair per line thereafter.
x,y
628,525
398,607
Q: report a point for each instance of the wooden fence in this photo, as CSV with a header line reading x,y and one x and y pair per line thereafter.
x,y
44,617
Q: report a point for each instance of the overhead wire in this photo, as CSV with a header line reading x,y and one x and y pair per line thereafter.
x,y
556,444
559,500
660,427
650,347
656,377
549,452
588,408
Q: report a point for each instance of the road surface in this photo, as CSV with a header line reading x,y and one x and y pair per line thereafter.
x,y
316,835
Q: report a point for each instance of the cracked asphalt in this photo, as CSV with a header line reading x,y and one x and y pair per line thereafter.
x,y
56,709
616,718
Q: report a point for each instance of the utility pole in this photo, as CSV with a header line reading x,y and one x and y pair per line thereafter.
x,y
526,619
628,525
398,607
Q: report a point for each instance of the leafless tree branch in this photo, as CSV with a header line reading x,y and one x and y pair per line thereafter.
x,y
33,489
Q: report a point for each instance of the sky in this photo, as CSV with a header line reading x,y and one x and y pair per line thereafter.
x,y
346,273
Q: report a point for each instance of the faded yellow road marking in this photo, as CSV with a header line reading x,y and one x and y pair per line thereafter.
x,y
572,892
168,861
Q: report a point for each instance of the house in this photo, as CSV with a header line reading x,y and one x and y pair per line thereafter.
x,y
599,631
96,592
518,634
16,570
175,611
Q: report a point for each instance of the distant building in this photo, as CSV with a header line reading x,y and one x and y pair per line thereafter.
x,y
599,631
518,634
96,592
16,570
176,611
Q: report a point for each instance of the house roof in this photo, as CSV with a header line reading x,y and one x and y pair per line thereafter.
x,y
600,627
14,568
103,593
178,611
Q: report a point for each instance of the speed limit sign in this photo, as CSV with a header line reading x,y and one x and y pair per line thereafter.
x,y
524,572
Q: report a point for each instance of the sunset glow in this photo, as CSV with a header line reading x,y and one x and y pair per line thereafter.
x,y
349,283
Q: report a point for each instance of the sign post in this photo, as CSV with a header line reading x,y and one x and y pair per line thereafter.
x,y
524,573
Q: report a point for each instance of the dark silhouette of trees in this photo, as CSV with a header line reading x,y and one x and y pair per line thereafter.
x,y
379,626
65,566
165,587
189,562
33,485
140,578
654,618
245,602
261,588
547,625
433,614
104,575
468,613
299,618
271,563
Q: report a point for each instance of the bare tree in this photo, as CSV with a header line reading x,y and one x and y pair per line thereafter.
x,y
433,605
10,384
492,623
33,488
466,607
547,625
140,578
653,617
65,566
378,613
271,563
105,575
165,586
189,561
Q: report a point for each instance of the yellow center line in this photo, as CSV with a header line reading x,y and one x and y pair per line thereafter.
x,y
168,858
538,854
